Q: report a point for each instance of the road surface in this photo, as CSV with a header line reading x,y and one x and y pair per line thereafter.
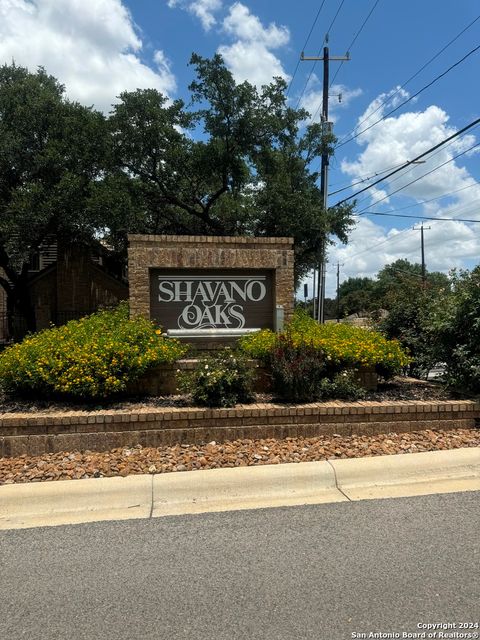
x,y
323,572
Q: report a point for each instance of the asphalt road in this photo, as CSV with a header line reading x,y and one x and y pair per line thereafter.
x,y
322,572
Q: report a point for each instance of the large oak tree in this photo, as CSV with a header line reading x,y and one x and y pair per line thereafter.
x,y
52,154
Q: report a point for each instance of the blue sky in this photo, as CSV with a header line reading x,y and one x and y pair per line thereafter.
x,y
100,47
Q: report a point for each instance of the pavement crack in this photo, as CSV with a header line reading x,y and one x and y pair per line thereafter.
x,y
336,482
151,499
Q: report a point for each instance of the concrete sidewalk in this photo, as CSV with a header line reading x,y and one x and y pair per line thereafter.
x,y
150,496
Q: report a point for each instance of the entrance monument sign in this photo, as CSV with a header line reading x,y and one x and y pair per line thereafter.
x,y
211,286
210,299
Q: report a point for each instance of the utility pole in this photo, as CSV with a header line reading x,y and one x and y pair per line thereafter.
x,y
314,295
327,128
338,290
422,244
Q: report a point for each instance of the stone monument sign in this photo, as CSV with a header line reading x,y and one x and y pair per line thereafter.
x,y
211,286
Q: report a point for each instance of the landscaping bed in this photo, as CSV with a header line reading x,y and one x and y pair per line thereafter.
x,y
397,389
69,465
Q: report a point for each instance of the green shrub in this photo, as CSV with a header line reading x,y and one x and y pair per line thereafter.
x,y
455,330
344,386
220,380
302,373
94,357
298,370
343,346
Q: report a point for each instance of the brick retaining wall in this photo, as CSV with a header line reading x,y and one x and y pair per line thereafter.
x,y
104,430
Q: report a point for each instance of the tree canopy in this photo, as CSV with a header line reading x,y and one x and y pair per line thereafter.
x,y
52,152
235,160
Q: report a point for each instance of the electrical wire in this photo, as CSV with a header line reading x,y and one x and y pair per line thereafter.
x,y
378,244
404,215
365,178
349,48
410,162
402,86
445,195
305,44
422,176
320,51
402,175
409,99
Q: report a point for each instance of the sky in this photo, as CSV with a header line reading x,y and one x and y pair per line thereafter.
x,y
99,48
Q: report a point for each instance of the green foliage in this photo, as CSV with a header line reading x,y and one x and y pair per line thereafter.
x,y
455,328
221,380
409,321
298,370
357,295
342,345
301,372
410,307
245,175
52,156
344,386
94,357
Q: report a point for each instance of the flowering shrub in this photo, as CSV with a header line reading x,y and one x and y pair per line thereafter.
x,y
220,380
342,345
94,357
302,373
298,370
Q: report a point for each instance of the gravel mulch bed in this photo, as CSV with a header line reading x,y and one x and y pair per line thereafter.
x,y
239,453
398,389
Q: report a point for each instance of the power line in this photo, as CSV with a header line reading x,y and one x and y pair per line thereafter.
x,y
393,237
402,175
320,51
408,206
366,176
363,179
445,195
402,86
423,176
416,217
349,48
378,244
304,46
424,88
404,215
410,162
417,204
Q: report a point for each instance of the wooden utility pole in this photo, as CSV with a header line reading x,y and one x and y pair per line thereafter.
x,y
338,291
327,128
422,244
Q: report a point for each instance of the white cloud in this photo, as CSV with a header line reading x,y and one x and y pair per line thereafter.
x,y
391,142
250,56
203,9
398,139
91,46
242,24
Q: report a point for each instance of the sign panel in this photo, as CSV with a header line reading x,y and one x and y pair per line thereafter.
x,y
226,299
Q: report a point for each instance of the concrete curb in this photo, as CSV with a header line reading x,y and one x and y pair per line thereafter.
x,y
409,474
145,496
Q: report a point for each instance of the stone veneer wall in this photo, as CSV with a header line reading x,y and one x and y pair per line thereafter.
x,y
103,430
206,252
